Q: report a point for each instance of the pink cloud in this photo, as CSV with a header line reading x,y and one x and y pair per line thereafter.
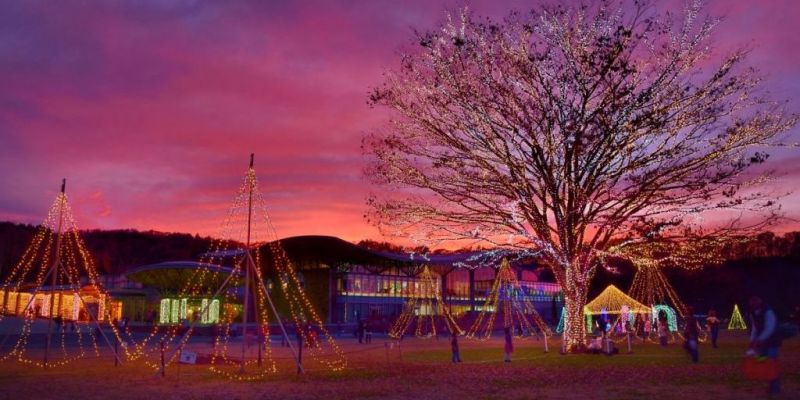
x,y
151,109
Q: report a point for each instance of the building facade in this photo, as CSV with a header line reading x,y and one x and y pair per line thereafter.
x,y
344,281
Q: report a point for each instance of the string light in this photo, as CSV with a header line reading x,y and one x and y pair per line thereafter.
x,y
613,300
247,222
508,298
736,322
564,131
672,318
560,326
426,310
56,256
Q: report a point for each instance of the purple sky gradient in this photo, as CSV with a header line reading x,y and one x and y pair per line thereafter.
x,y
151,108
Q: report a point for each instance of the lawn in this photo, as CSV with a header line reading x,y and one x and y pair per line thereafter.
x,y
421,370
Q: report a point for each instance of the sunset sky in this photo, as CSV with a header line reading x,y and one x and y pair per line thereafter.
x,y
151,108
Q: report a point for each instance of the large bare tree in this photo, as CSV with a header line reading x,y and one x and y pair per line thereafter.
x,y
566,130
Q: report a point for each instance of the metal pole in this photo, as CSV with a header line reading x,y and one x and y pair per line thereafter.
x,y
546,346
244,315
163,370
280,324
247,271
56,261
97,324
116,350
299,351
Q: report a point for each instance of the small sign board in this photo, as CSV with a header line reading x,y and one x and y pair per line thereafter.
x,y
188,357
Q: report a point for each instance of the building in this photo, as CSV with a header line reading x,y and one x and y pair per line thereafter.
x,y
346,283
69,303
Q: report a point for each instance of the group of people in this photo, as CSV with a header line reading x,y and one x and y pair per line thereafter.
x,y
692,329
364,332
766,335
508,346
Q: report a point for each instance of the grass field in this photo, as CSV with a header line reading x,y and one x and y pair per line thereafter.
x,y
421,370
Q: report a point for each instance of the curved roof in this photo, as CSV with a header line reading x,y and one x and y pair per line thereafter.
x,y
310,250
306,252
172,276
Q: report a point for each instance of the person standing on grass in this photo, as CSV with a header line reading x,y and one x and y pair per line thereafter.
x,y
692,334
360,331
765,339
509,346
640,322
454,348
367,333
713,326
663,331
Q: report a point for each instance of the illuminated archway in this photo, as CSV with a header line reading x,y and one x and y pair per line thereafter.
x,y
672,318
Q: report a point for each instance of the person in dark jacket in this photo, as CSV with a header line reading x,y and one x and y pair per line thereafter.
x,y
508,348
691,333
765,339
454,348
360,331
367,333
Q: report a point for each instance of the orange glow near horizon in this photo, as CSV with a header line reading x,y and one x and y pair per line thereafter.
x,y
150,110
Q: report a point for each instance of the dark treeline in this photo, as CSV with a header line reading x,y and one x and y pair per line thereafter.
x,y
768,265
114,251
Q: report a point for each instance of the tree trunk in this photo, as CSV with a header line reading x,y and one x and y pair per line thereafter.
x,y
575,293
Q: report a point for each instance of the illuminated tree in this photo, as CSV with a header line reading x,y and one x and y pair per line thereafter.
x,y
55,283
556,132
651,255
425,310
650,286
249,242
736,322
511,301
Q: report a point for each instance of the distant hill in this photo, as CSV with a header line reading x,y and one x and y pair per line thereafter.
x,y
768,265
114,251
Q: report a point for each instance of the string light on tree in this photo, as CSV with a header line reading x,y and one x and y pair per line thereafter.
x,y
646,133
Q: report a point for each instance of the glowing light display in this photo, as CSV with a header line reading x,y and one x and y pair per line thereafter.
x,y
612,300
46,282
736,322
669,312
560,326
509,299
425,310
249,242
164,311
